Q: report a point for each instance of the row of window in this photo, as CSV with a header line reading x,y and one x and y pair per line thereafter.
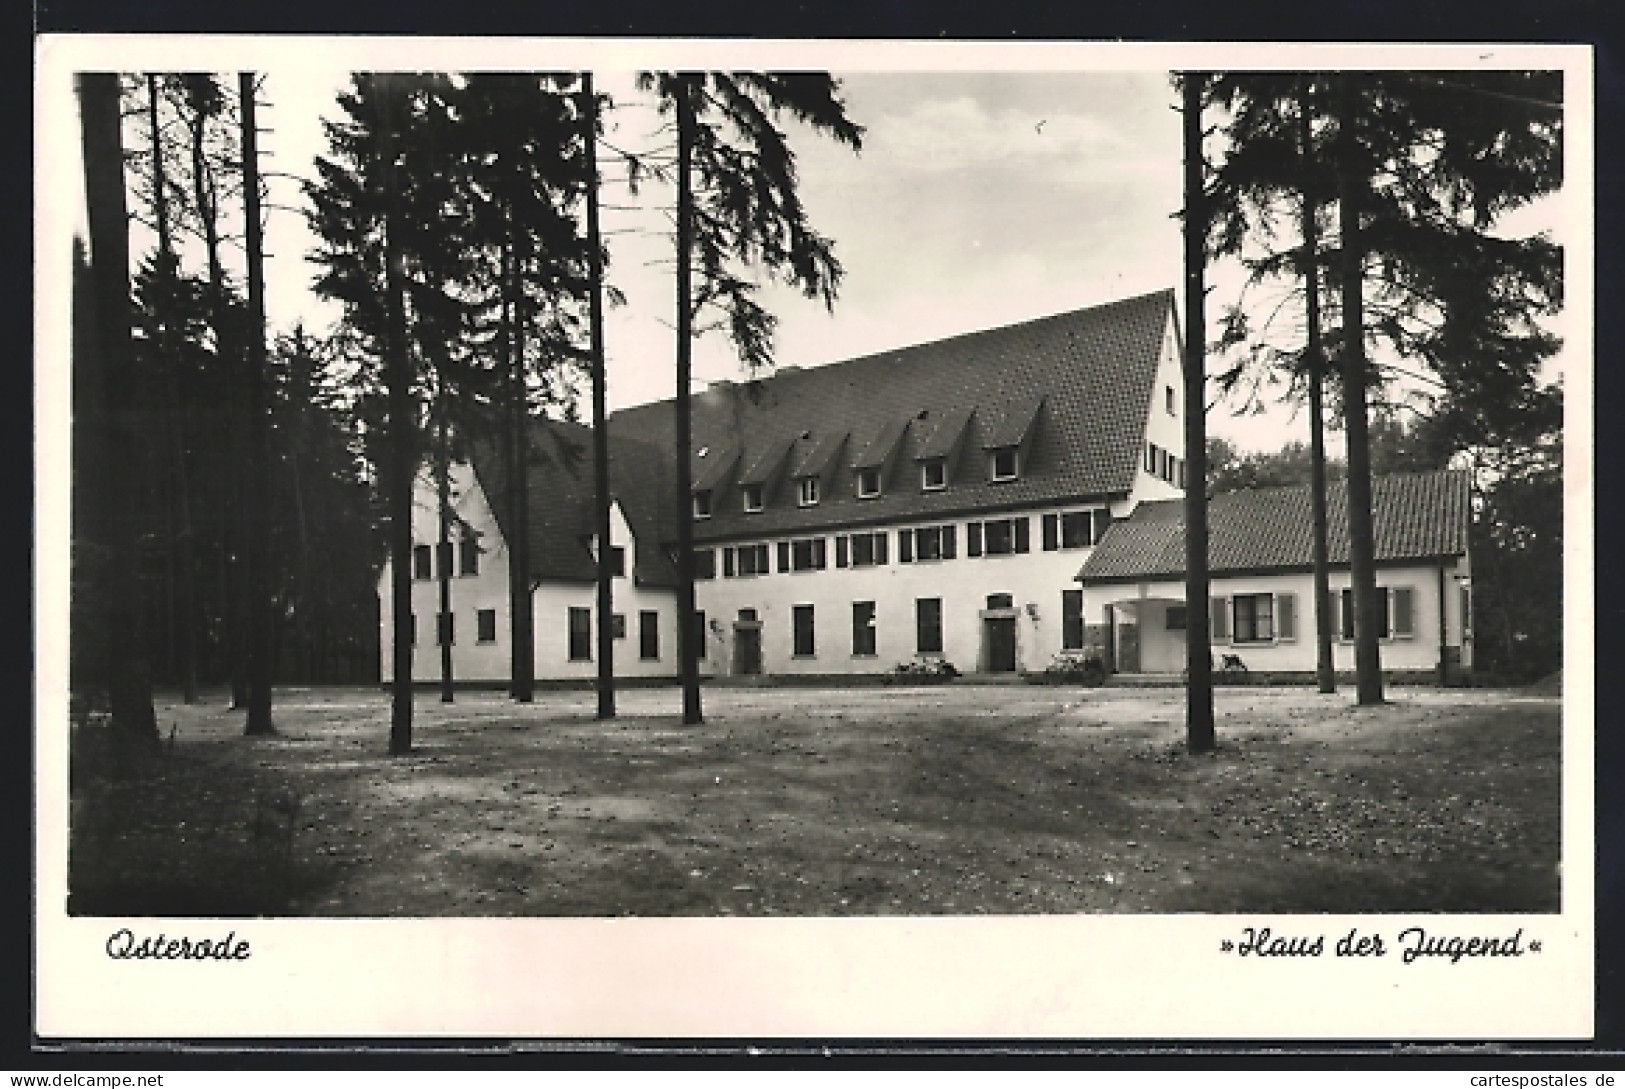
x,y
581,638
467,559
485,626
993,537
865,634
1003,465
1269,618
1164,465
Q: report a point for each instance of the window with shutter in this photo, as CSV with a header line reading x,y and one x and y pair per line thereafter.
x,y
727,563
1220,619
1021,534
1404,612
1052,532
1286,620
840,551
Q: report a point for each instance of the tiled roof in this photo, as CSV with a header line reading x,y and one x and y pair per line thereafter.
x,y
1416,516
1094,369
561,500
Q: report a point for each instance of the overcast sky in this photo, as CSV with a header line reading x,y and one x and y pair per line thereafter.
x,y
980,198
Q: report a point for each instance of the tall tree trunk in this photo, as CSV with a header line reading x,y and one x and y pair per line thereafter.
x,y
443,556
1199,728
524,621
1325,668
688,664
1362,546
234,641
182,563
257,468
600,394
402,442
129,675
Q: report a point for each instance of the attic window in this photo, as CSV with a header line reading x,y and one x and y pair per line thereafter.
x,y
868,483
752,498
1003,463
807,491
702,504
1168,399
934,474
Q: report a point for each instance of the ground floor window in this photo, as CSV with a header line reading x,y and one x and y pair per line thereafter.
x,y
928,625
1396,607
801,618
1071,619
1177,619
580,635
1254,618
422,562
486,621
863,628
648,635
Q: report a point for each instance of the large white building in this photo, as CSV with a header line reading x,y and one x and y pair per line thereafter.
x,y
934,503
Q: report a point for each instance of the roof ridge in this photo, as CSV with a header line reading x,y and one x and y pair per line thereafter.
x,y
798,370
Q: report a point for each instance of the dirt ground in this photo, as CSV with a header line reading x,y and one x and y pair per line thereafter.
x,y
958,799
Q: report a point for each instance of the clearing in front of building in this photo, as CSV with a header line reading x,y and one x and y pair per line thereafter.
x,y
958,799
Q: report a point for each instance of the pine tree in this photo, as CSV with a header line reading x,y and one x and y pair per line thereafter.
x,y
738,208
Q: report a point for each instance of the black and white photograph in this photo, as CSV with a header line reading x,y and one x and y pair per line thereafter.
x,y
645,538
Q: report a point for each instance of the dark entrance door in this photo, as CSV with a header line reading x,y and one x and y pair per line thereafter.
x,y
1128,648
1001,644
747,649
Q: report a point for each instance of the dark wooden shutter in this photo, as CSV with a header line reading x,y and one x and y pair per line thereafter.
x,y
1220,614
950,547
973,538
1052,532
1022,543
727,562
840,551
820,553
880,548
905,545
1286,617
784,555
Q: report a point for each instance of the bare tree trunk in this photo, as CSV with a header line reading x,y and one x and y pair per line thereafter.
x,y
1362,546
257,466
444,627
234,638
687,653
182,562
524,637
1325,668
600,433
402,443
1199,727
129,672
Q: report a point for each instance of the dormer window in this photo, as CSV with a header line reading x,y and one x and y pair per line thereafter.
x,y
934,474
702,504
868,483
807,491
752,495
1003,463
